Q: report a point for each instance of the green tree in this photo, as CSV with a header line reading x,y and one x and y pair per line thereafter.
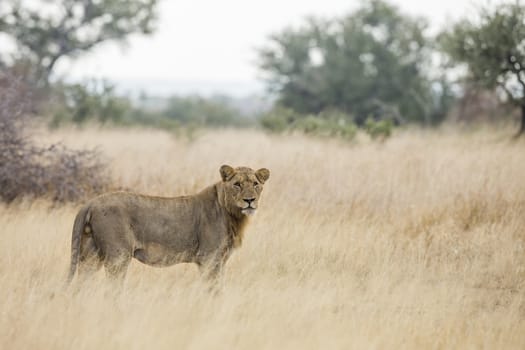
x,y
47,30
369,63
493,49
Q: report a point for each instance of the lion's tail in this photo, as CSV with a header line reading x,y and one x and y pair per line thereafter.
x,y
81,219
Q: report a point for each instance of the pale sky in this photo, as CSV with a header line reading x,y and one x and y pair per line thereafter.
x,y
206,46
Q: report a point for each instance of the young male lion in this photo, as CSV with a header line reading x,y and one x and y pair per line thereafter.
x,y
160,231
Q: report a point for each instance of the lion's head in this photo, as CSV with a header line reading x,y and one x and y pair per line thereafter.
x,y
242,187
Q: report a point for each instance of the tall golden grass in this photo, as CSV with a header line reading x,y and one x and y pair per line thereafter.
x,y
416,243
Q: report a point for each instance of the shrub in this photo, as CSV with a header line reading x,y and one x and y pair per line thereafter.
x,y
278,119
327,124
381,129
28,170
316,126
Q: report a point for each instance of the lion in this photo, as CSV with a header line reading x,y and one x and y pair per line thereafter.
x,y
204,228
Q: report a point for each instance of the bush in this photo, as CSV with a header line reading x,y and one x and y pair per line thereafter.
x,y
381,129
278,119
28,170
326,124
315,126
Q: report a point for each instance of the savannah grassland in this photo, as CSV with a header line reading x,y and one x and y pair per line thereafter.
x,y
416,243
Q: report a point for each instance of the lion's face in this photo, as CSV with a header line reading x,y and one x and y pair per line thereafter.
x,y
243,187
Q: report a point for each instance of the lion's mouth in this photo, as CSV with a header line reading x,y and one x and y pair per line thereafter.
x,y
248,211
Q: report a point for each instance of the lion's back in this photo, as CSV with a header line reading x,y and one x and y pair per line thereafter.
x,y
145,218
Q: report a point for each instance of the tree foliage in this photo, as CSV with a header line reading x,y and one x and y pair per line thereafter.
x,y
47,30
369,63
493,48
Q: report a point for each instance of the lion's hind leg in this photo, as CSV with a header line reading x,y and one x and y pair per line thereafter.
x,y
116,265
90,259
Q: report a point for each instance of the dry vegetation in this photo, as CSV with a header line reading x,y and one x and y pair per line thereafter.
x,y
415,243
27,169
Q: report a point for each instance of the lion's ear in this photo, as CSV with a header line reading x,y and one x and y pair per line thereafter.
x,y
227,172
263,174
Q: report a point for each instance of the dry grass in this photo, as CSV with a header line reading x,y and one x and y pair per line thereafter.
x,y
416,243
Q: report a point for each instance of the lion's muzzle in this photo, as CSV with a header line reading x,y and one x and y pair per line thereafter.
x,y
248,211
249,206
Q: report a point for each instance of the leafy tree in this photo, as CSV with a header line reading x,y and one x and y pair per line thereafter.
x,y
493,49
369,63
47,30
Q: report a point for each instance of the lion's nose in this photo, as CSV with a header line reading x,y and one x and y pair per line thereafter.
x,y
249,200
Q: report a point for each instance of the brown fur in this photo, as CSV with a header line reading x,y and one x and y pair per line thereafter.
x,y
203,228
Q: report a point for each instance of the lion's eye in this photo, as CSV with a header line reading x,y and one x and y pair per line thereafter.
x,y
237,184
256,184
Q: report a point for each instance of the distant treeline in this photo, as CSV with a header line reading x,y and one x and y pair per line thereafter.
x,y
97,101
373,68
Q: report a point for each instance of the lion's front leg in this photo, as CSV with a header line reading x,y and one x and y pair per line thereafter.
x,y
212,268
212,272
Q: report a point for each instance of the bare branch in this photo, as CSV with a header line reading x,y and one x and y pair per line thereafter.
x,y
27,170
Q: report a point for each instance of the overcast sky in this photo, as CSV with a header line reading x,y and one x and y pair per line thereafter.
x,y
207,46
